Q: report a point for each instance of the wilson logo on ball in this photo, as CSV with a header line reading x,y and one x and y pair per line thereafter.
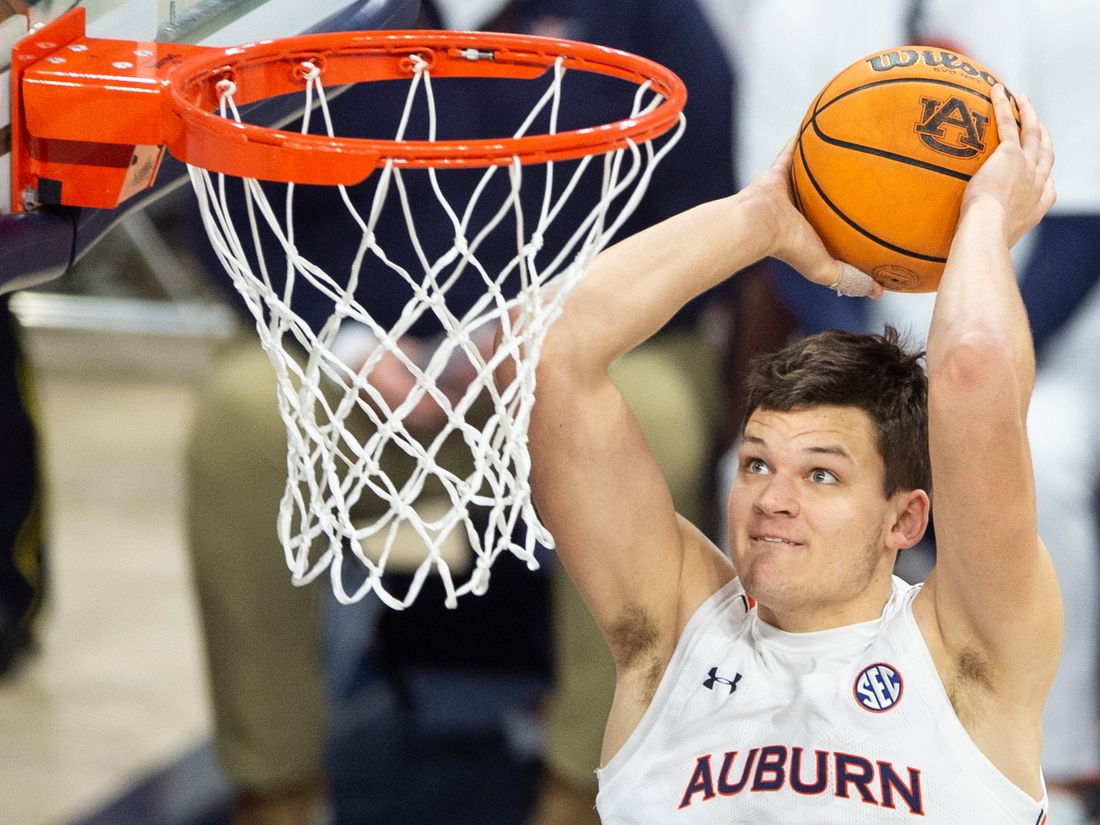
x,y
949,127
878,687
949,61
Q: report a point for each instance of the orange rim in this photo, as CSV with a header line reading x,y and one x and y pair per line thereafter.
x,y
270,68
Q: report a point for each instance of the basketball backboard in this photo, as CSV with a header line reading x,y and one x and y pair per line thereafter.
x,y
38,245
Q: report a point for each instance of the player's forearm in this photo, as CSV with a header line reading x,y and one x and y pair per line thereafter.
x,y
633,288
979,312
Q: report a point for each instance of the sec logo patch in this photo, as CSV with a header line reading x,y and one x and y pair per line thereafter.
x,y
878,687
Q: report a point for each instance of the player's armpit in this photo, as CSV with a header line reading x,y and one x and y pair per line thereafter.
x,y
637,639
990,612
643,645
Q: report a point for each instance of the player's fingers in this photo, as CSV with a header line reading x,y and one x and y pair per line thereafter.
x,y
1030,129
806,253
855,283
812,259
785,157
1045,160
1050,195
1002,111
847,281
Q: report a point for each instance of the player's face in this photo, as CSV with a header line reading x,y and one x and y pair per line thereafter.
x,y
809,524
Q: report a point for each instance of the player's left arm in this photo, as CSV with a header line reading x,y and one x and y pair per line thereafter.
x,y
994,591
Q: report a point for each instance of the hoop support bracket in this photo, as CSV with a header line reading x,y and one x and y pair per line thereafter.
x,y
88,115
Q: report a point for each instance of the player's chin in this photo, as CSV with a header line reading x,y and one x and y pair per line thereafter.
x,y
773,576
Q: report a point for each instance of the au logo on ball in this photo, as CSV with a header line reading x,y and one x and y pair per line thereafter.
x,y
878,687
964,139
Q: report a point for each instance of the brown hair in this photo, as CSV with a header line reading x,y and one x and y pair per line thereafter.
x,y
874,373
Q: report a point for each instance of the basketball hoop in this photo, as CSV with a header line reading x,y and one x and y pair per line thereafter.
x,y
195,96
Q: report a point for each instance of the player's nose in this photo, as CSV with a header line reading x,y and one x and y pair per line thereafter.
x,y
777,496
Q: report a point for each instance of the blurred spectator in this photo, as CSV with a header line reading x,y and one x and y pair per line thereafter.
x,y
22,573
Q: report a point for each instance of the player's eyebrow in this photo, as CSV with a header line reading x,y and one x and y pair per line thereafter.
x,y
820,449
829,449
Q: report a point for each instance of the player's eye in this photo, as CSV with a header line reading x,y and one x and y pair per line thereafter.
x,y
757,467
820,476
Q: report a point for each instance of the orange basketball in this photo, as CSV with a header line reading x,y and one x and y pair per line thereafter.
x,y
883,156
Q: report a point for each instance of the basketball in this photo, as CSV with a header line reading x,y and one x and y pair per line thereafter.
x,y
883,156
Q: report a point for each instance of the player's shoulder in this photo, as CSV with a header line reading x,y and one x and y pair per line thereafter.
x,y
707,571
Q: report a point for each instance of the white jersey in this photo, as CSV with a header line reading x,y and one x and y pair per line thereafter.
x,y
850,726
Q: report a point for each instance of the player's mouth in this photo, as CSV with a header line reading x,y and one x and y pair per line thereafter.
x,y
770,539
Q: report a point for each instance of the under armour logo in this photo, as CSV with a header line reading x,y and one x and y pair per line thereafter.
x,y
713,677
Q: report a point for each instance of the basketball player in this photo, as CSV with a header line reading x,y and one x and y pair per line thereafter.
x,y
800,682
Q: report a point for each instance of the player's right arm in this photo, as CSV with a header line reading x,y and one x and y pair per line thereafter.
x,y
991,609
640,568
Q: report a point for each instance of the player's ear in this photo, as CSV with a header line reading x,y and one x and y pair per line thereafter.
x,y
911,510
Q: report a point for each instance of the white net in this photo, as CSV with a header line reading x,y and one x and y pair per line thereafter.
x,y
334,464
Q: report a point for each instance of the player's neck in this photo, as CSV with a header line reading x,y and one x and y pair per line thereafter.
x,y
807,618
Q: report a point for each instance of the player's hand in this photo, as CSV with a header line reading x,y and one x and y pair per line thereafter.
x,y
393,381
787,234
1016,177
